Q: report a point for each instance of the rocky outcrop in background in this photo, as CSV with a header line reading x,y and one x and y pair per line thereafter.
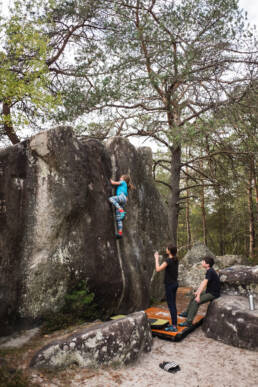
x,y
57,226
239,280
191,273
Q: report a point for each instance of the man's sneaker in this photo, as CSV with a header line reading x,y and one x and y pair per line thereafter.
x,y
183,314
185,324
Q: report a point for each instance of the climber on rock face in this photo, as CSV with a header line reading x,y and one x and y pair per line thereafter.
x,y
119,200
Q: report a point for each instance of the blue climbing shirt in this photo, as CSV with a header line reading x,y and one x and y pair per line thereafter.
x,y
122,188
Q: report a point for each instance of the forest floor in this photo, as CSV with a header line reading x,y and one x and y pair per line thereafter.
x,y
204,362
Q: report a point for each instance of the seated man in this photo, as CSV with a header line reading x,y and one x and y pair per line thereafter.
x,y
212,285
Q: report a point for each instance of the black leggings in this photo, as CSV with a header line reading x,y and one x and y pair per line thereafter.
x,y
171,290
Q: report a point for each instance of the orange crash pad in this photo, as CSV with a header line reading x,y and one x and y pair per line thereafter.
x,y
162,313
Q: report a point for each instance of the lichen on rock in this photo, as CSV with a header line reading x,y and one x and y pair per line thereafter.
x,y
115,342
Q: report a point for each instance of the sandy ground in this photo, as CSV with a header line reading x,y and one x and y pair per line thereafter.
x,y
204,362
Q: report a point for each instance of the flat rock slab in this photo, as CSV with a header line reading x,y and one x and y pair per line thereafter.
x,y
18,339
112,343
229,320
239,280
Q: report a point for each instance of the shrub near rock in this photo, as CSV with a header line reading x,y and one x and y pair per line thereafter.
x,y
10,377
79,307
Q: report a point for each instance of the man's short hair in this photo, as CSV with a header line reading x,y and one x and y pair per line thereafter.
x,y
209,261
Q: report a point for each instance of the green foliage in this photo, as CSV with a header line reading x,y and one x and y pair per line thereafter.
x,y
57,321
14,378
79,307
80,301
24,74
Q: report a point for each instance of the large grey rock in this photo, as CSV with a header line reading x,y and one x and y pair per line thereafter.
x,y
197,253
191,272
57,226
239,280
116,342
229,319
143,225
223,261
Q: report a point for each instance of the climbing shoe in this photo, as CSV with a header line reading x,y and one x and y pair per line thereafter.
x,y
170,328
185,324
183,314
119,236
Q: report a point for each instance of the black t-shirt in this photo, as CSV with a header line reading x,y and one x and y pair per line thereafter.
x,y
213,286
171,271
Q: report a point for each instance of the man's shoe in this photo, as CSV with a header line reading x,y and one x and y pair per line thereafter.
x,y
185,324
183,314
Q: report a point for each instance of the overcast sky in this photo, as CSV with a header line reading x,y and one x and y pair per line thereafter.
x,y
251,6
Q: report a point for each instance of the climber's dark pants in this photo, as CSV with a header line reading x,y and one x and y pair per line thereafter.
x,y
171,300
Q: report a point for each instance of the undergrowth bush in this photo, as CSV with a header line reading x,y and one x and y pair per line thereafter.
x,y
14,378
79,307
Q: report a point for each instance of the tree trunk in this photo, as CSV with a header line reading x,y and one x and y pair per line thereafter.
x,y
175,180
204,224
187,214
8,127
251,213
221,224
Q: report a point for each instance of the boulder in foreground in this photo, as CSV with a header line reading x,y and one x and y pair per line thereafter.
x,y
112,343
229,320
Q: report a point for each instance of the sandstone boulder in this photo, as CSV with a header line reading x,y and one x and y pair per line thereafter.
x,y
112,343
142,227
229,320
57,226
239,280
223,261
191,272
